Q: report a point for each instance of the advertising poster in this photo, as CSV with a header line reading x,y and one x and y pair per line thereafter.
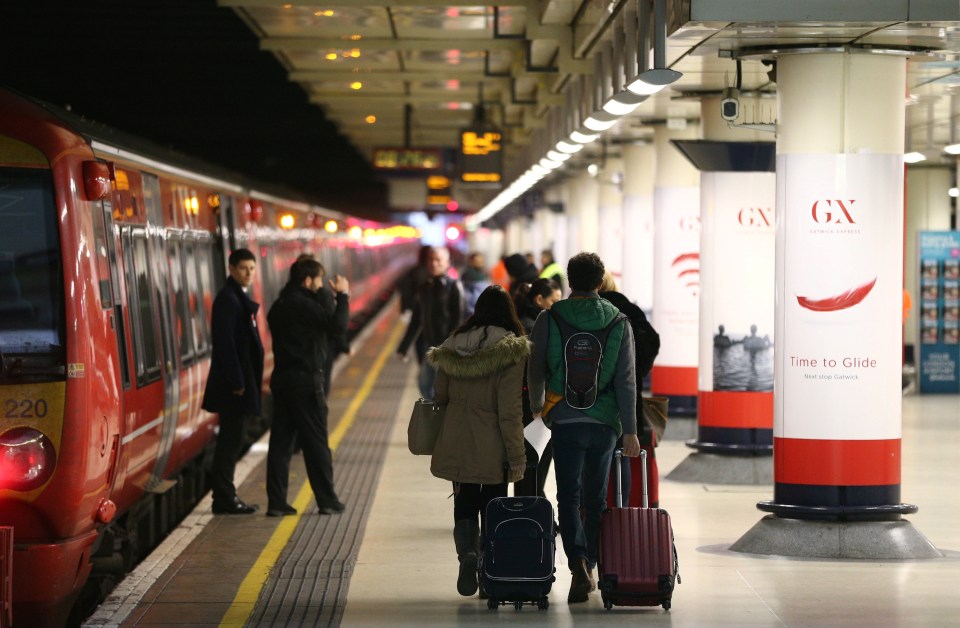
x,y
939,311
638,253
839,293
676,289
737,281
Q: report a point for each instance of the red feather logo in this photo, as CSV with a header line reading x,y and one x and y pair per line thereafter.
x,y
840,301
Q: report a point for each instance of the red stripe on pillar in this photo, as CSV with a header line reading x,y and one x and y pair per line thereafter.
x,y
674,380
836,462
735,409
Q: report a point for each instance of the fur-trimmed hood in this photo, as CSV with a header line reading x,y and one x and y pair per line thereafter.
x,y
479,352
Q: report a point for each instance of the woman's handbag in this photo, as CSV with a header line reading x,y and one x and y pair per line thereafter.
x,y
655,413
424,426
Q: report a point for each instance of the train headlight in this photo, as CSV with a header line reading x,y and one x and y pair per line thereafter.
x,y
27,459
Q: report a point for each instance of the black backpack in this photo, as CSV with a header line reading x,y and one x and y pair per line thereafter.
x,y
582,353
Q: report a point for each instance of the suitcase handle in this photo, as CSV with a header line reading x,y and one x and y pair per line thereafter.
x,y
617,457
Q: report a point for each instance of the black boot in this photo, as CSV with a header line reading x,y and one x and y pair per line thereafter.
x,y
466,535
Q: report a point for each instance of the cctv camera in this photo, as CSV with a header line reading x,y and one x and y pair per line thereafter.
x,y
730,104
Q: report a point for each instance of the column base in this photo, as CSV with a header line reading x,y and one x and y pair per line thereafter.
x,y
878,540
880,512
734,441
724,469
683,405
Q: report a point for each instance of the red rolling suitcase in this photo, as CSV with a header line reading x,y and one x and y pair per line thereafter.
x,y
638,560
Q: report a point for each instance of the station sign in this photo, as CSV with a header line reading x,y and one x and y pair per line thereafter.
x,y
481,156
397,159
439,190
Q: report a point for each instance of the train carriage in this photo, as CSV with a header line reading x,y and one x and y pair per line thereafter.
x,y
109,261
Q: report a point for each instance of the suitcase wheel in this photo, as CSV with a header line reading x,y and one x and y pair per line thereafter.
x,y
607,603
492,603
543,603
518,605
666,605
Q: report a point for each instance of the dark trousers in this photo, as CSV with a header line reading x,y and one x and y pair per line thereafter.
x,y
226,452
534,479
582,453
300,413
470,500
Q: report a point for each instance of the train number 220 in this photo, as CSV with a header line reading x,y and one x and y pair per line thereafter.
x,y
25,409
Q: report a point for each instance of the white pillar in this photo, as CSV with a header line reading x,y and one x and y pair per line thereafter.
x,y
839,274
639,166
735,389
610,233
928,209
676,279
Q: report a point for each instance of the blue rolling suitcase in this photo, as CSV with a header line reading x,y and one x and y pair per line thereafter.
x,y
519,543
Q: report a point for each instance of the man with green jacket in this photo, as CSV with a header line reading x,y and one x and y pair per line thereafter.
x,y
584,438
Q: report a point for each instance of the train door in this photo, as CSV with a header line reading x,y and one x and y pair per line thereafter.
x,y
161,286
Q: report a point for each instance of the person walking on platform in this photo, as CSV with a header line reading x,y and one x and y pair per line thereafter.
x,y
235,378
303,331
646,346
583,439
480,446
530,300
437,311
550,268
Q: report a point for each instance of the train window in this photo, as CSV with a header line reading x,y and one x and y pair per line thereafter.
x,y
181,316
194,295
114,263
205,302
31,279
145,349
102,259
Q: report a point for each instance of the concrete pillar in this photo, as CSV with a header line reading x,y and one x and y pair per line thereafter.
x,y
676,272
839,274
610,233
639,166
582,214
928,209
735,376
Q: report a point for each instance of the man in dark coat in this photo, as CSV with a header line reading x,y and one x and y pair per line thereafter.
x,y
437,311
236,376
304,332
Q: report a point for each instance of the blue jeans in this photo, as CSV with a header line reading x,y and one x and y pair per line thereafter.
x,y
581,454
426,379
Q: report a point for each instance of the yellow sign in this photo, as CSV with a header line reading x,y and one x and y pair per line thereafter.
x,y
479,143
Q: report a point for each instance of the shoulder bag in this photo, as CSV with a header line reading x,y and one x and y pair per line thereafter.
x,y
424,426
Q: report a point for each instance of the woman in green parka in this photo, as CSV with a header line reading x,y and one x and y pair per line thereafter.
x,y
480,446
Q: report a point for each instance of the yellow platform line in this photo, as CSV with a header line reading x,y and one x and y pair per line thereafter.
x,y
246,599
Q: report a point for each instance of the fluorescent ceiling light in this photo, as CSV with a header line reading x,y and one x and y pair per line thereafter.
x,y
954,192
595,124
953,149
583,138
914,157
558,156
549,164
569,147
617,108
652,81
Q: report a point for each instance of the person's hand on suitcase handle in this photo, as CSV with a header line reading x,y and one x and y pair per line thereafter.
x,y
516,471
631,445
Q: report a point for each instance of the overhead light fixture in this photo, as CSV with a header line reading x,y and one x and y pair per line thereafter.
x,y
584,138
954,192
598,124
914,157
953,149
569,147
652,81
555,155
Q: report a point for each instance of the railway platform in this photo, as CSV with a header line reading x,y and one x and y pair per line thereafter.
x,y
389,559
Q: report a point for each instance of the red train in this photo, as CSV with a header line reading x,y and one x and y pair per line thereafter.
x,y
110,256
